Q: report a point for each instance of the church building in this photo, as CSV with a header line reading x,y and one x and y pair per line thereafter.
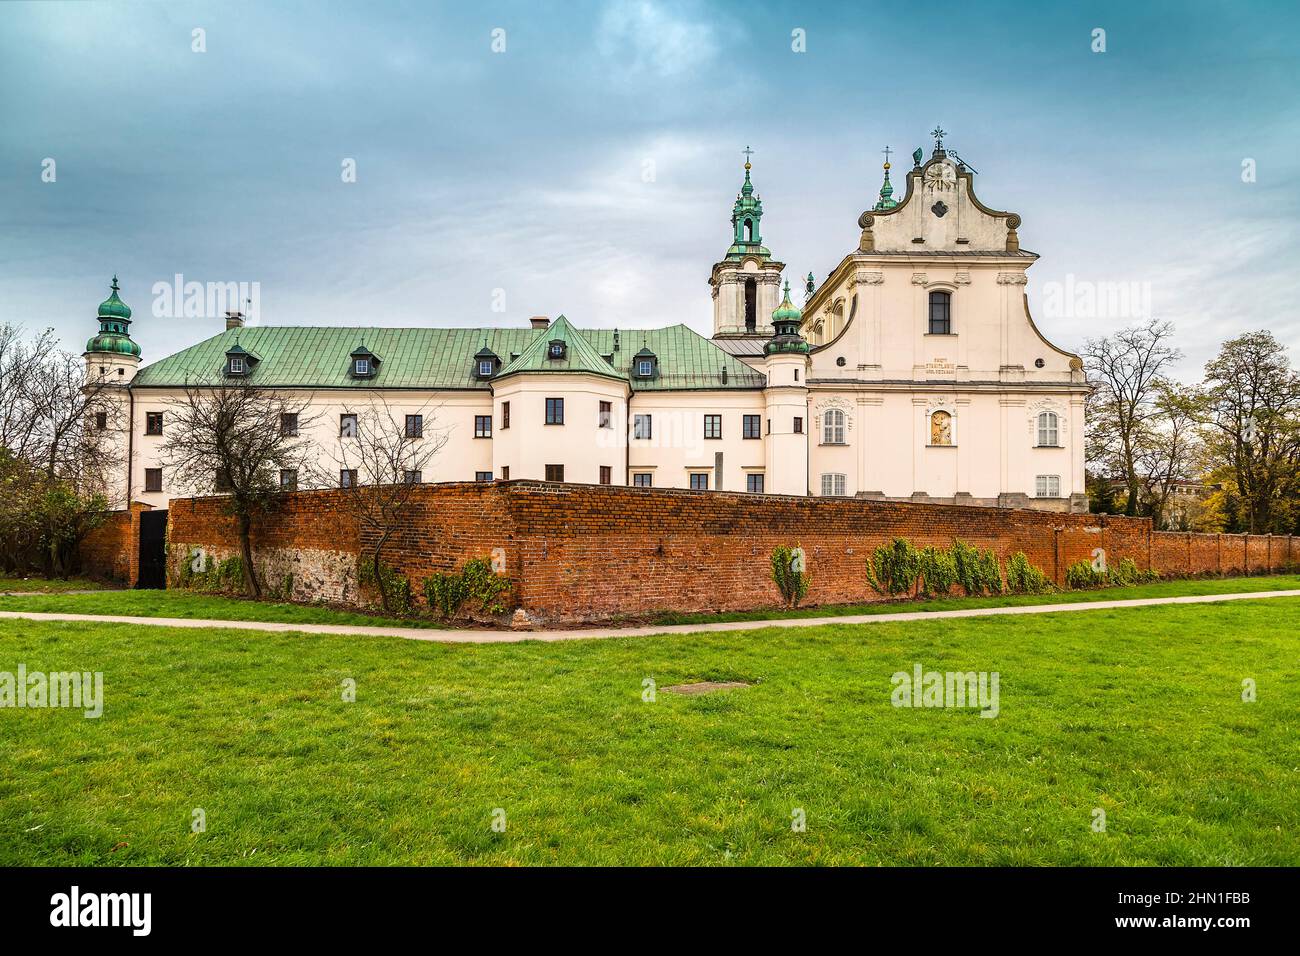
x,y
914,372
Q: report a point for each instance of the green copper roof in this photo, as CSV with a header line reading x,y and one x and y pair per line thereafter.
x,y
579,356
443,358
887,200
114,327
786,311
113,307
746,218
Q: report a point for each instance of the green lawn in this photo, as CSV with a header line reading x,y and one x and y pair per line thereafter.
x,y
1137,712
1171,588
195,605
42,585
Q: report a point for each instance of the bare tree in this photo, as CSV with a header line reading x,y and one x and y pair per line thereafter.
x,y
1251,410
234,439
1127,369
1168,449
55,462
383,456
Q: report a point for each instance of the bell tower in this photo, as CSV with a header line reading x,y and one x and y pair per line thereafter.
x,y
746,282
112,359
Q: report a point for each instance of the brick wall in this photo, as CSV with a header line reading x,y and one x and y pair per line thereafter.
x,y
591,552
112,551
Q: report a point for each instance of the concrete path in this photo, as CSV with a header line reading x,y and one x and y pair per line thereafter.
x,y
508,637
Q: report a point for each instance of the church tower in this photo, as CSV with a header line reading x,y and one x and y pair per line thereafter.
x,y
111,356
786,362
112,359
746,282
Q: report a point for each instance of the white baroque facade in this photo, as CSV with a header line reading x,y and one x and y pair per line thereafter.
x,y
914,372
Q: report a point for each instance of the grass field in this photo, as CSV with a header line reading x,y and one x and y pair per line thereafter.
x,y
1137,712
194,605
44,586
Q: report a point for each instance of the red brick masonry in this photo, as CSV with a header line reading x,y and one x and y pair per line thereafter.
x,y
592,552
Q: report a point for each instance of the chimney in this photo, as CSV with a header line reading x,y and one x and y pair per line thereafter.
x,y
234,320
539,322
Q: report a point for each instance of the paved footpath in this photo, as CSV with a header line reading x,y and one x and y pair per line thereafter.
x,y
509,637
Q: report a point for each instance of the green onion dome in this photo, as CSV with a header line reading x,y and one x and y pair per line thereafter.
x,y
114,324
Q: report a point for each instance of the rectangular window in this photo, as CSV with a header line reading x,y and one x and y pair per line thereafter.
x,y
641,427
482,426
555,411
554,472
752,427
288,423
712,426
505,414
606,416
505,472
606,475
940,313
288,479
754,483
643,480
700,481
348,425
363,366
236,365
482,476
101,420
153,423
1047,486
412,477
1048,431
347,478
645,368
798,425
414,426
833,486
221,481
153,479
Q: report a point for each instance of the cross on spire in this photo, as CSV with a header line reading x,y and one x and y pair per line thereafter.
x,y
887,150
748,153
938,133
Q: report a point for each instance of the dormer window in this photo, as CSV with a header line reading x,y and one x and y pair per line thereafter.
x,y
557,349
239,362
364,363
486,363
645,364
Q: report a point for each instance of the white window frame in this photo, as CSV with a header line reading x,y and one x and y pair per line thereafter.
x,y
236,365
1047,486
832,481
362,366
645,368
833,427
1049,430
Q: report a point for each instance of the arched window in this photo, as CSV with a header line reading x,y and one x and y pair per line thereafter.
x,y
751,305
940,313
941,428
1048,433
749,230
833,427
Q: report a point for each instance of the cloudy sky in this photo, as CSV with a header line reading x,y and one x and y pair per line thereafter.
x,y
589,167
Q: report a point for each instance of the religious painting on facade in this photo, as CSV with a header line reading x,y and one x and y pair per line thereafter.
x,y
941,428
